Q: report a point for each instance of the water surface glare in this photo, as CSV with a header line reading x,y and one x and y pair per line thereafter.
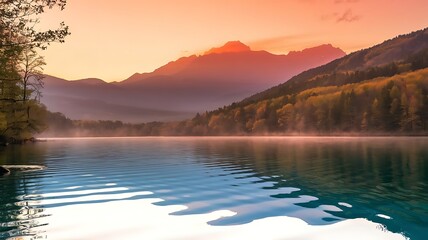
x,y
321,181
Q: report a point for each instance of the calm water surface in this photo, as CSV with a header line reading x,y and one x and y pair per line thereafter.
x,y
319,180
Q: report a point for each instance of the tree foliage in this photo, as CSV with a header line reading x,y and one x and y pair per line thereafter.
x,y
19,19
21,114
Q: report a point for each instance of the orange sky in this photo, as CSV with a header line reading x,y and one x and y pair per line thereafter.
x,y
112,40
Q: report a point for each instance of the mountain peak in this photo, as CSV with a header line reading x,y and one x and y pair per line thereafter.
x,y
321,49
91,81
229,47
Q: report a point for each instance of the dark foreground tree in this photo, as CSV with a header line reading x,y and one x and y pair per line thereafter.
x,y
21,114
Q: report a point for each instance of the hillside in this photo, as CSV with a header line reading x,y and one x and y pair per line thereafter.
x,y
181,88
362,65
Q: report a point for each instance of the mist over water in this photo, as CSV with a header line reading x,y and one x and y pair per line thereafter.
x,y
320,180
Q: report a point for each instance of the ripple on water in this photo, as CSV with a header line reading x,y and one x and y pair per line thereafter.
x,y
319,183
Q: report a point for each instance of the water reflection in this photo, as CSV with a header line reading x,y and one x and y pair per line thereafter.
x,y
18,217
319,180
350,177
18,213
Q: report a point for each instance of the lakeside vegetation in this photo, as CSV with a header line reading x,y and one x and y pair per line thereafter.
x,y
21,113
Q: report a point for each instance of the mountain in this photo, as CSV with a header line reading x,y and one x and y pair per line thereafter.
x,y
379,90
92,99
229,47
183,87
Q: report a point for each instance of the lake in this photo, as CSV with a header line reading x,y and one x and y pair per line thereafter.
x,y
217,188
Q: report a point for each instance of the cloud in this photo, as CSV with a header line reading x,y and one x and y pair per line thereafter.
x,y
339,16
347,16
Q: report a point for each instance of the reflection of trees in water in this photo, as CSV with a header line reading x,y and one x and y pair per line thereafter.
x,y
30,153
18,215
327,163
374,175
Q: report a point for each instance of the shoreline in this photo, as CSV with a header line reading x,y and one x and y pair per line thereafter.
x,y
45,139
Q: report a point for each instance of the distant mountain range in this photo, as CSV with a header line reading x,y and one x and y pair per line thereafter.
x,y
183,87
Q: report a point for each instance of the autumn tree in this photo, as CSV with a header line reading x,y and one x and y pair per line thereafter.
x,y
286,117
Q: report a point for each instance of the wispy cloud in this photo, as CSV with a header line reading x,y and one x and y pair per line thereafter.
x,y
348,16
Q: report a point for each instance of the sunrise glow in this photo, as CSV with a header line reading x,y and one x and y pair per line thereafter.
x,y
112,40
